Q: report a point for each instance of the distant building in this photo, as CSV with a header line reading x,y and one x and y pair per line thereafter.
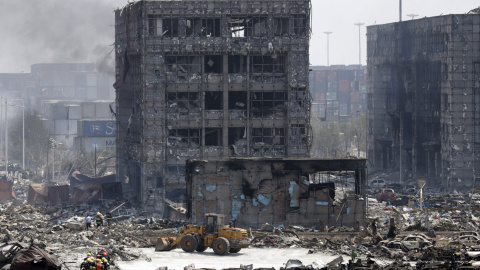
x,y
64,95
209,80
423,96
339,92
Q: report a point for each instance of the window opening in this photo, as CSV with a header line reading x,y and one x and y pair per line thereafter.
x,y
248,26
198,27
298,134
267,68
178,101
237,64
169,28
213,137
268,141
213,100
183,63
281,26
268,104
184,137
237,138
299,24
298,98
213,64
237,100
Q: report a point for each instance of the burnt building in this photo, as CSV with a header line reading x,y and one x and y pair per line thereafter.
x,y
423,91
254,191
207,80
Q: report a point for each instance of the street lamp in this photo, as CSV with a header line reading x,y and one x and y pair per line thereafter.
x,y
328,47
359,24
412,16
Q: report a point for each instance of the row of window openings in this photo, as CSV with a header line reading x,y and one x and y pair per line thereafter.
x,y
214,64
237,100
237,27
236,136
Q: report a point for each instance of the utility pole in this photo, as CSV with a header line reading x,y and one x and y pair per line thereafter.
x,y
359,24
6,138
412,16
400,9
328,47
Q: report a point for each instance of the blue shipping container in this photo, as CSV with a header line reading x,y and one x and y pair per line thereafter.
x,y
99,128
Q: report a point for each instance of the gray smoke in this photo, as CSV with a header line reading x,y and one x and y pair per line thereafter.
x,y
56,31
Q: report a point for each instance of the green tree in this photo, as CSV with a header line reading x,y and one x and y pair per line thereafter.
x,y
334,140
36,140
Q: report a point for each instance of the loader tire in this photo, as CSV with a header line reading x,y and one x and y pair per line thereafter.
x,y
189,243
221,246
235,250
201,248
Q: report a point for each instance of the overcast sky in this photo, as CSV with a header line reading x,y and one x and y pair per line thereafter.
x,y
45,31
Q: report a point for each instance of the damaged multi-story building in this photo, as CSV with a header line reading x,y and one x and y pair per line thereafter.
x,y
208,80
423,91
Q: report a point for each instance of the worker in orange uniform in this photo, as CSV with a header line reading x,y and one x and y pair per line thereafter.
x,y
99,265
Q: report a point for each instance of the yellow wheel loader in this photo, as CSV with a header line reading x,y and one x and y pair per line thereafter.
x,y
222,239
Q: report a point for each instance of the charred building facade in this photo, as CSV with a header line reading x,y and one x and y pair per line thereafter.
x,y
208,80
423,91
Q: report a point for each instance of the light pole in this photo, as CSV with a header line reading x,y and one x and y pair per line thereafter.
x,y
95,146
328,47
359,24
6,138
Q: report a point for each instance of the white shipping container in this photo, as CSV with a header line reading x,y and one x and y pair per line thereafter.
x,y
74,112
88,110
92,80
92,92
61,127
72,127
60,112
102,109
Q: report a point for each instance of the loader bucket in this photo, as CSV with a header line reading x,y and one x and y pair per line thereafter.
x,y
165,244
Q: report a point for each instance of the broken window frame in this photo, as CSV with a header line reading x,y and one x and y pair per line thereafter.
x,y
281,26
188,64
161,27
263,144
199,27
264,104
242,26
189,100
298,98
299,24
185,137
267,136
184,68
268,68
298,134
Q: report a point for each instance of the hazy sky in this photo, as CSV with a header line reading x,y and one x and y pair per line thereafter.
x,y
44,31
